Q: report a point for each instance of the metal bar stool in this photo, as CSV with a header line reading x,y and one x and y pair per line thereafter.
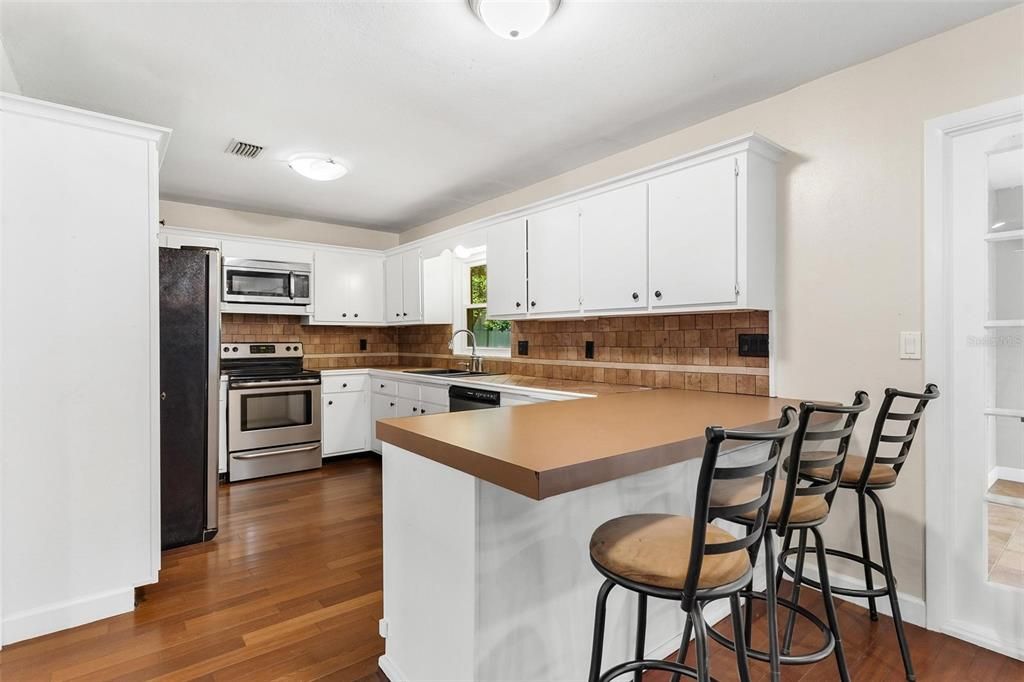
x,y
866,475
686,559
798,505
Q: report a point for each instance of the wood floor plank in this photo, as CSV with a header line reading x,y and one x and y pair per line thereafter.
x,y
291,589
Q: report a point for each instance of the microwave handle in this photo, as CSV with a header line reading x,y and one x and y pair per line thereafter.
x,y
291,285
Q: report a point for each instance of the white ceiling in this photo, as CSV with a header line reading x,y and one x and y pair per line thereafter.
x,y
431,111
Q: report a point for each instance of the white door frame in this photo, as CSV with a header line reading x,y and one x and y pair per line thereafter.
x,y
938,363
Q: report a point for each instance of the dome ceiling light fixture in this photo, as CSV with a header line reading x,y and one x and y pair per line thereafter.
x,y
514,19
317,167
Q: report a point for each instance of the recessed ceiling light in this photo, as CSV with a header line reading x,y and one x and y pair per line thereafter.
x,y
317,167
514,19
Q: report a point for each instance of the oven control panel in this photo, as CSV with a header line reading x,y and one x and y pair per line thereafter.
x,y
261,350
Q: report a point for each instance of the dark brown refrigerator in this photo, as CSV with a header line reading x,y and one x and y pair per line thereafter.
x,y
189,385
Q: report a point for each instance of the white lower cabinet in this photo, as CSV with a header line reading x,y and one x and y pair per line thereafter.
x,y
346,420
381,407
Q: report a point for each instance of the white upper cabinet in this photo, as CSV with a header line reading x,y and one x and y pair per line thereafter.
x,y
613,249
553,244
403,287
506,269
265,250
348,288
412,286
693,235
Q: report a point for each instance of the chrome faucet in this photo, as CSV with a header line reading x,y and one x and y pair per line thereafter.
x,y
476,363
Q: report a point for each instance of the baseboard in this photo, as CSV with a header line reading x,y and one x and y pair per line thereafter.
x,y
1006,474
911,608
985,640
390,670
64,615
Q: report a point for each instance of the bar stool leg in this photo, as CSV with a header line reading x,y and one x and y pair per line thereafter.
x,y
890,586
830,607
742,665
771,606
787,639
641,632
700,630
778,570
748,619
684,645
865,548
597,648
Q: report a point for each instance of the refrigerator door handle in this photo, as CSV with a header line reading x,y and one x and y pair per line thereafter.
x,y
286,451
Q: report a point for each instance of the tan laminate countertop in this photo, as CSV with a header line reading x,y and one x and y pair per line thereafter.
x,y
555,447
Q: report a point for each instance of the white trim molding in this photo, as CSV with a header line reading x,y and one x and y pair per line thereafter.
x,y
938,363
54,617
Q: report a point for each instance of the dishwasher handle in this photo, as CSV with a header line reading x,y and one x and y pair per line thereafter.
x,y
479,398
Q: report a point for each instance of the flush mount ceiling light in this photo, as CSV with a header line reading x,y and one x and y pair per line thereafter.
x,y
317,167
514,19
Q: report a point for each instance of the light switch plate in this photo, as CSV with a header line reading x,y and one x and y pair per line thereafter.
x,y
910,345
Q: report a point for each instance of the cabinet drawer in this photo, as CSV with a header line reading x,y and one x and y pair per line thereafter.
x,y
384,386
434,394
344,383
432,408
408,391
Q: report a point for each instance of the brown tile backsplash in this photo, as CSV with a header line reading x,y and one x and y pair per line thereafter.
x,y
694,351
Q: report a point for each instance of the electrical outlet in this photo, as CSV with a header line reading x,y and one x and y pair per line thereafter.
x,y
589,350
382,628
753,345
362,344
523,347
910,345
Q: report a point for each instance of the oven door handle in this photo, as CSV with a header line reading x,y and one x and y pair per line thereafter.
x,y
287,451
275,384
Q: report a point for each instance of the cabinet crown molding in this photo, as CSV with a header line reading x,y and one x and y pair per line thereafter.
x,y
38,108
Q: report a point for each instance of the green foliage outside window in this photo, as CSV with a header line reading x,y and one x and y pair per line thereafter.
x,y
489,333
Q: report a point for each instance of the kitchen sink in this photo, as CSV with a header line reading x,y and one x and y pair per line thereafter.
x,y
433,371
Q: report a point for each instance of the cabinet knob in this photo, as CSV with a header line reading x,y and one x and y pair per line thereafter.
x,y
657,294
398,314
330,402
636,296
344,385
355,314
391,404
404,314
344,314
518,304
533,304
382,385
414,409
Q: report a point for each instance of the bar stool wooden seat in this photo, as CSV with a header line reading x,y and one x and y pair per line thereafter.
x,y
866,475
800,505
687,559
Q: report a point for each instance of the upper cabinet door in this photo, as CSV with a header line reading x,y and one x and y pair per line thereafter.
x,y
330,288
693,235
393,307
365,279
553,243
506,268
613,249
412,287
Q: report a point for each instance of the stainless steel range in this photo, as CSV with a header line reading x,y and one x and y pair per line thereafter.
x,y
273,410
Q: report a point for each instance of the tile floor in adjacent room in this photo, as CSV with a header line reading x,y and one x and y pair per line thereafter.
x,y
1006,544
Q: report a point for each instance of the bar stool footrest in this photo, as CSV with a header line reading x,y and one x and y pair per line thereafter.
x,y
844,591
649,664
785,659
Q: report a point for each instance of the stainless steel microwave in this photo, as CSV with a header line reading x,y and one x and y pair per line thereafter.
x,y
264,281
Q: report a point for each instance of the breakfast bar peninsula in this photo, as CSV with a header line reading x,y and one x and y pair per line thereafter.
x,y
488,516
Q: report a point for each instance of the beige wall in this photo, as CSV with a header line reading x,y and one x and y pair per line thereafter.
x,y
178,214
850,216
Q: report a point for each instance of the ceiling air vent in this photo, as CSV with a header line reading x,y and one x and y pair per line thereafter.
x,y
244,149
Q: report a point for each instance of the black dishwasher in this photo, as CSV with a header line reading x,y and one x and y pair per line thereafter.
x,y
461,399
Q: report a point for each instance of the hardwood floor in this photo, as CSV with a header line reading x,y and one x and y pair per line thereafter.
x,y
291,589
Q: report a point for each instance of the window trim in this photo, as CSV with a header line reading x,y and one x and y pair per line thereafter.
x,y
461,347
